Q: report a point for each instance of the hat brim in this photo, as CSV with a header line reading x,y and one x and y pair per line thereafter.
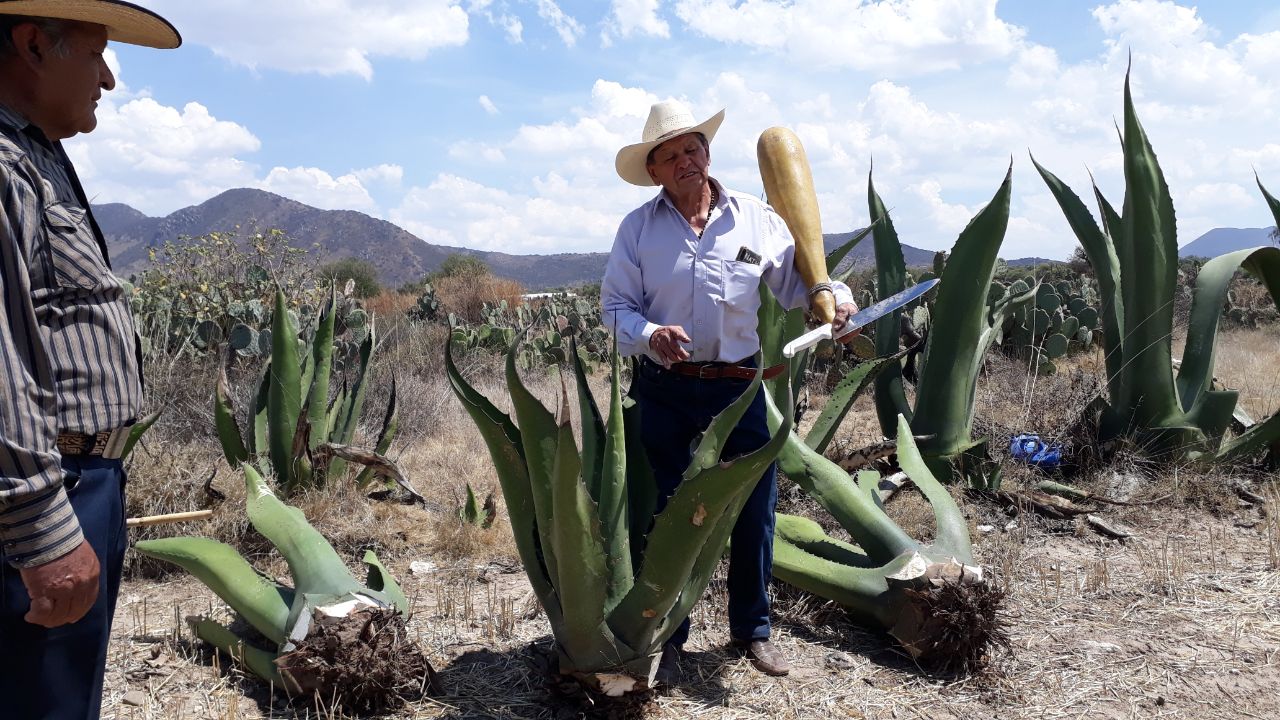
x,y
630,162
125,22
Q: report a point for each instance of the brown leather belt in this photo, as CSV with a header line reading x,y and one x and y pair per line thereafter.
x,y
717,370
108,444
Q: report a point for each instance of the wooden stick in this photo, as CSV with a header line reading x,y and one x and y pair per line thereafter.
x,y
170,518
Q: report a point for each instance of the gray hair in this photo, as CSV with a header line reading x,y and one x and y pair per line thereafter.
x,y
55,28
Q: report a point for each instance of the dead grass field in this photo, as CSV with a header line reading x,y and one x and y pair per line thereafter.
x,y
1180,621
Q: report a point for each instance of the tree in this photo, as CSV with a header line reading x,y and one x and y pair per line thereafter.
x,y
362,272
461,265
1275,235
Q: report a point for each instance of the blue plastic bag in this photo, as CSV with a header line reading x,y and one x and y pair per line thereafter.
x,y
1032,450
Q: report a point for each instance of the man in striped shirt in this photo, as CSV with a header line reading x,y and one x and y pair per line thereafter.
x,y
70,381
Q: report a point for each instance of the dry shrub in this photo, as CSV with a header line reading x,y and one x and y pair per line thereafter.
x,y
389,305
465,295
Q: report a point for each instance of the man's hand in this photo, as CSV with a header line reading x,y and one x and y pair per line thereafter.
x,y
666,340
843,312
62,590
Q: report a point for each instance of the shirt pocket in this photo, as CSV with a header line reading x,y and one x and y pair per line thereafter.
x,y
74,254
741,283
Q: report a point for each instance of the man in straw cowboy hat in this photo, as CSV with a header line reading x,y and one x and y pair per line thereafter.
x,y
71,377
681,290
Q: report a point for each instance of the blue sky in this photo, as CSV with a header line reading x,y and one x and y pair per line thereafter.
x,y
493,124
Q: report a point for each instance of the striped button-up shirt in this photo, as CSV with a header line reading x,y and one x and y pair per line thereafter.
x,y
661,273
67,348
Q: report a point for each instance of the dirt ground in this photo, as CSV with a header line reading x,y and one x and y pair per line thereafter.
x,y
1181,620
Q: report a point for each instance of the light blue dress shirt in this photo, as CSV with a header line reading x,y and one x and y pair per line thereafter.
x,y
661,273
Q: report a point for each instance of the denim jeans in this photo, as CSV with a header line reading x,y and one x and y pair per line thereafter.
x,y
674,412
56,674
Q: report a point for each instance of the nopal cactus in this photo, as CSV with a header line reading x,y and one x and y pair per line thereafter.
x,y
613,589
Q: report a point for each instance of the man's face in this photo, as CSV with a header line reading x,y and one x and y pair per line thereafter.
x,y
71,82
680,165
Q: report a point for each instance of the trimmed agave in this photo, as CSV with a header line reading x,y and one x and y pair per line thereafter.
x,y
324,593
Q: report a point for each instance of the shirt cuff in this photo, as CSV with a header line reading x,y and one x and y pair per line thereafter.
x,y
844,296
645,348
40,529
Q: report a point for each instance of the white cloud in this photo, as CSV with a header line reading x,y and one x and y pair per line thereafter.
x,y
892,36
488,105
637,17
565,26
330,37
318,188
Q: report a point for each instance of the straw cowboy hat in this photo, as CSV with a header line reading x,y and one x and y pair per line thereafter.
x,y
666,120
125,22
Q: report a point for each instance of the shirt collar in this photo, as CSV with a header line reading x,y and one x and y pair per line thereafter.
x,y
13,119
663,198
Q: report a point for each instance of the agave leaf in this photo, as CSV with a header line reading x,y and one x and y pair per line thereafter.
x,y
259,661
506,449
284,394
861,590
136,432
1195,376
809,536
260,420
1148,252
831,486
344,431
837,255
381,580
953,355
711,444
260,601
316,568
579,551
846,392
593,436
952,535
891,277
390,424
224,419
322,368
539,437
613,498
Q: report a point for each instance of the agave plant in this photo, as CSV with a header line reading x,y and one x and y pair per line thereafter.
x,y
968,316
614,580
294,429
1134,254
322,629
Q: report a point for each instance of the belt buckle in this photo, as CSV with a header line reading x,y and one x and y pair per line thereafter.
x,y
704,375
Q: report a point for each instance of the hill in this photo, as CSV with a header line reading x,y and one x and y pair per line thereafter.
x,y
1220,241
399,255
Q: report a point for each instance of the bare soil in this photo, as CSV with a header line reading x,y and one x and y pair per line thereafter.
x,y
1182,620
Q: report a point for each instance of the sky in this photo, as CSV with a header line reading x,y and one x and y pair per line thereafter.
x,y
493,124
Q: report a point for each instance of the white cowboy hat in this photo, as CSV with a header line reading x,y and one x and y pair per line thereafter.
x,y
666,120
125,22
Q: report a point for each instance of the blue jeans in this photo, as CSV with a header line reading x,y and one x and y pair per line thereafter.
x,y
56,674
674,412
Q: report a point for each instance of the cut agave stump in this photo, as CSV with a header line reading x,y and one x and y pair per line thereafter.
x,y
933,599
333,637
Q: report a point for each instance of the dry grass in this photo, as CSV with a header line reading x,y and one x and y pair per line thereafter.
x,y
465,295
1183,620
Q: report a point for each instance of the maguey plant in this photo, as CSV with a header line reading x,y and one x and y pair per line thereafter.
x,y
967,317
328,634
1134,254
614,581
294,430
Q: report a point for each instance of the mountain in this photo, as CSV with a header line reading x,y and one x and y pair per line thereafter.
x,y
1220,241
399,256
1030,262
